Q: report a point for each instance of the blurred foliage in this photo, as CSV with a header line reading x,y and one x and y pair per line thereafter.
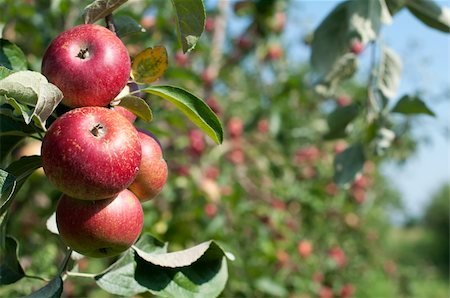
x,y
267,193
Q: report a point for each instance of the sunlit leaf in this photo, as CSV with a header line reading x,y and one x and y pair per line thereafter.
x,y
430,13
367,17
193,107
389,72
30,88
149,65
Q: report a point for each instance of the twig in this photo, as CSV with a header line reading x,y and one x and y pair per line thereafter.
x,y
37,277
64,264
218,39
110,23
80,274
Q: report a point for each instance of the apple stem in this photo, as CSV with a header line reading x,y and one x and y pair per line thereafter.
x,y
97,130
110,23
66,261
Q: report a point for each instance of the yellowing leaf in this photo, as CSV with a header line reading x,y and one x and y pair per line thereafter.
x,y
149,65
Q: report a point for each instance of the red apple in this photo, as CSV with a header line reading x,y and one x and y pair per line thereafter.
x,y
152,175
304,248
196,142
356,47
89,63
235,127
263,126
181,59
126,113
325,292
347,290
210,210
91,152
210,24
100,228
274,52
343,100
338,256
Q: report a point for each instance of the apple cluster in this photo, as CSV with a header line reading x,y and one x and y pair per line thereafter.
x,y
104,166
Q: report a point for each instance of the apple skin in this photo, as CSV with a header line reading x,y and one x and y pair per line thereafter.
x,y
153,172
91,152
89,63
100,228
126,113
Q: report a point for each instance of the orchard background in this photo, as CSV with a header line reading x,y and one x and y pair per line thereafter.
x,y
294,195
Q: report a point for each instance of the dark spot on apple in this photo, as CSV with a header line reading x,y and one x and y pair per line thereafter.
x,y
103,250
98,131
83,53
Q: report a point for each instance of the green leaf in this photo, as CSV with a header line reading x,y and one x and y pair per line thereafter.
x,y
431,14
11,127
200,271
149,65
270,287
10,268
190,22
343,69
394,6
24,167
193,107
332,33
367,17
53,289
8,143
30,88
126,25
119,279
4,72
21,169
348,20
11,56
99,9
389,73
412,105
7,181
339,119
137,106
348,164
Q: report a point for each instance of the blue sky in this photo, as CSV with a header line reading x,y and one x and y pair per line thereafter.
x,y
425,55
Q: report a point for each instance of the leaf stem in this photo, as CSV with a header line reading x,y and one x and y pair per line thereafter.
x,y
80,274
65,262
110,23
37,277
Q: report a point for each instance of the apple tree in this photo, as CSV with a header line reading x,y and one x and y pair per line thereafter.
x,y
82,105
294,191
